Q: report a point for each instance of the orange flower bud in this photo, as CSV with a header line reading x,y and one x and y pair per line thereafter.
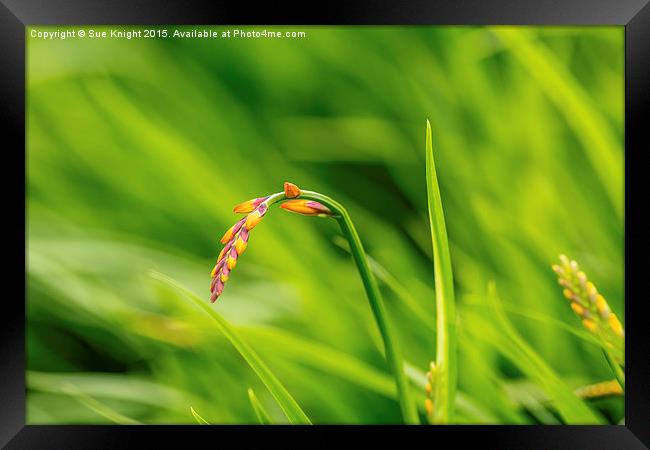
x,y
306,207
256,216
253,219
231,232
249,205
291,190
240,245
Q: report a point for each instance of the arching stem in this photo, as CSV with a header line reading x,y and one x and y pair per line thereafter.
x,y
392,350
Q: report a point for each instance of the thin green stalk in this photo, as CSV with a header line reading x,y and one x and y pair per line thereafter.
x,y
446,371
200,420
618,372
392,350
98,407
261,414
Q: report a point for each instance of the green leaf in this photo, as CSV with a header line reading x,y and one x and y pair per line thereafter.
x,y
198,417
262,416
290,407
445,388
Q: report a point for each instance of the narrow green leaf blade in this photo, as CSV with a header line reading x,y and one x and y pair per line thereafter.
x,y
445,389
99,407
616,369
262,416
198,417
290,407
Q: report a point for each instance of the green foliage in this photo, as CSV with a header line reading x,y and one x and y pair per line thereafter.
x,y
138,150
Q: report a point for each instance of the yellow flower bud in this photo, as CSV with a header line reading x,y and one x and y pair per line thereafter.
x,y
428,406
602,306
591,326
579,310
615,324
231,262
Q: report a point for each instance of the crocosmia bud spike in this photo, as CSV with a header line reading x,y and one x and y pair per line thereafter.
x,y
235,241
590,306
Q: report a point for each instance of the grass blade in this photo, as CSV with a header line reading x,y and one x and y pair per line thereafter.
x,y
290,407
198,417
618,372
99,407
545,320
445,388
262,416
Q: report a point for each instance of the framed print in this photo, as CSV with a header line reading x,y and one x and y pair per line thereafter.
x,y
372,218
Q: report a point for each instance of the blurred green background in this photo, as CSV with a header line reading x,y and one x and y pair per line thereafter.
x,y
138,150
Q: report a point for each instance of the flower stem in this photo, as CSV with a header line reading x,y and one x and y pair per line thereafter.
x,y
392,350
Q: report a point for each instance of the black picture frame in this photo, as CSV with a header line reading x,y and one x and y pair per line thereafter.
x,y
15,15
